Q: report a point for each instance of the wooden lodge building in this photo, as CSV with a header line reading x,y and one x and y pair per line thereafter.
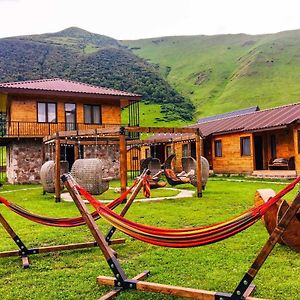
x,y
251,141
30,110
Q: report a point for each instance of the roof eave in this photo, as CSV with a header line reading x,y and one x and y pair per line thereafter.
x,y
20,91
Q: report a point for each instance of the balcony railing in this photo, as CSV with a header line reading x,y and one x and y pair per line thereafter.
x,y
34,129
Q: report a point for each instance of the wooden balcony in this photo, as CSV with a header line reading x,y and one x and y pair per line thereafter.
x,y
16,129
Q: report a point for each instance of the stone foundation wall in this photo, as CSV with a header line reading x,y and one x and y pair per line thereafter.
x,y
24,161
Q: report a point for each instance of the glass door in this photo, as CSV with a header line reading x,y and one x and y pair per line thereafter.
x,y
70,116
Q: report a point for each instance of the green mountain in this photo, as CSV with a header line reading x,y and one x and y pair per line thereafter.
x,y
96,59
226,72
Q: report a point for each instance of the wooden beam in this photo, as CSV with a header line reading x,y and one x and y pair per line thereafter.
x,y
48,249
57,170
199,164
123,162
171,290
161,129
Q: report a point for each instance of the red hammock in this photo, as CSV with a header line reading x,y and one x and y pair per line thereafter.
x,y
187,237
63,222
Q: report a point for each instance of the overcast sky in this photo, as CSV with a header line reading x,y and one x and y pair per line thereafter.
x,y
133,19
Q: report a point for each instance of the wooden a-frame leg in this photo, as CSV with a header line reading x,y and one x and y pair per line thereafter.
x,y
23,252
127,205
267,248
121,280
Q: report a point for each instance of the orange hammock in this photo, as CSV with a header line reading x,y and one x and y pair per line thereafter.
x,y
64,222
186,237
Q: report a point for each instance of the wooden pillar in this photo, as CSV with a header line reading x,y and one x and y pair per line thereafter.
x,y
198,141
76,150
123,160
57,169
43,153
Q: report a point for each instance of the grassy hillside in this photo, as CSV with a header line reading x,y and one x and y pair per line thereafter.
x,y
92,58
227,72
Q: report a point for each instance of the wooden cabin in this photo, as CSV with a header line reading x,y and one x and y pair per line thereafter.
x,y
258,142
30,110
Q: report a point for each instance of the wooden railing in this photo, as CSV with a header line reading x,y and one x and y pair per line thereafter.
x,y
34,129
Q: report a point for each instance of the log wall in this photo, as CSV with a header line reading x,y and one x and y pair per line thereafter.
x,y
231,160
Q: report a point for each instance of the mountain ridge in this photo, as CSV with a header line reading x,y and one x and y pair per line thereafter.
x,y
227,72
79,55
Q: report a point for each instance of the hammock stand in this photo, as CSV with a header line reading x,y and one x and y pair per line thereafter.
x,y
121,282
24,251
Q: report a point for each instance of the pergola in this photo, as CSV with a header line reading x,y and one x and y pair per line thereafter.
x,y
117,135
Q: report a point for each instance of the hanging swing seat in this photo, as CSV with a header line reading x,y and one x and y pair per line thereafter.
x,y
47,174
89,173
188,174
271,218
154,166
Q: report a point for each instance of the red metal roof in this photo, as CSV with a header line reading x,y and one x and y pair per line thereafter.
x,y
63,85
272,118
281,116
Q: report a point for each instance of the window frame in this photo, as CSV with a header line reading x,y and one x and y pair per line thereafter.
x,y
75,115
218,142
183,150
46,112
92,106
167,148
242,150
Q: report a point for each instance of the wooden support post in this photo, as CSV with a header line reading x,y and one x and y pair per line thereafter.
x,y
267,248
123,160
199,163
57,170
76,150
97,234
23,252
128,204
43,153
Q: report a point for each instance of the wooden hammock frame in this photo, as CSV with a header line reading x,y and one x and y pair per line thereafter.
x,y
24,251
121,282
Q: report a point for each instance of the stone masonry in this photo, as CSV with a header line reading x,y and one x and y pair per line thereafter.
x,y
24,160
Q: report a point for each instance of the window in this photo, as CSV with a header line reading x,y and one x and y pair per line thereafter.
x,y
218,148
185,150
168,150
147,152
70,116
46,112
273,146
245,146
92,114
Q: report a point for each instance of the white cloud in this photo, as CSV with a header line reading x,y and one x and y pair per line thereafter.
x,y
133,19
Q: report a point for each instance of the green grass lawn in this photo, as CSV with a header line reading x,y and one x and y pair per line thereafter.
x,y
217,267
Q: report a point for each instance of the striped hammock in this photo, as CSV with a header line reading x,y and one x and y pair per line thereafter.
x,y
186,237
63,222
